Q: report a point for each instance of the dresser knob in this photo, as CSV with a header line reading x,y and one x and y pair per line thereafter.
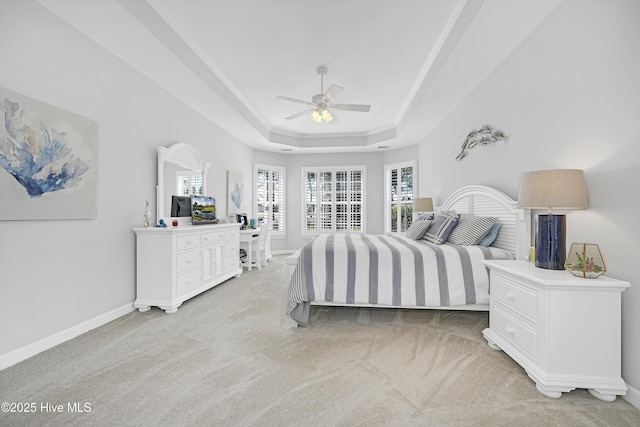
x,y
510,330
510,295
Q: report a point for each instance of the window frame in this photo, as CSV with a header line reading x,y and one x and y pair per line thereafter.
x,y
388,168
191,174
280,232
362,169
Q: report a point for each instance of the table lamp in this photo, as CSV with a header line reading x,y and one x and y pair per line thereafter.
x,y
552,189
424,204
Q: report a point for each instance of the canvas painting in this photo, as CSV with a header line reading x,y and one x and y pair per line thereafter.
x,y
236,194
48,161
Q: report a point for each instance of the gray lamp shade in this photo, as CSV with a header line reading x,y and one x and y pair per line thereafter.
x,y
557,189
424,204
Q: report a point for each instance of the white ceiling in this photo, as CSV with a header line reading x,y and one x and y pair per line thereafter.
x,y
414,61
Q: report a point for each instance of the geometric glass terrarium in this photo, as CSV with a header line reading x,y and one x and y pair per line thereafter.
x,y
585,260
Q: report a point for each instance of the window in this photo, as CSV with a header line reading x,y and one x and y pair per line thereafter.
x,y
399,192
334,199
269,196
189,183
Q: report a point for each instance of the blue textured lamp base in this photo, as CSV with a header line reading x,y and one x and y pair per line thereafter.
x,y
551,242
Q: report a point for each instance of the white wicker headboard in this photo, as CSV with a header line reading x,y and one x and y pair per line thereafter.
x,y
486,201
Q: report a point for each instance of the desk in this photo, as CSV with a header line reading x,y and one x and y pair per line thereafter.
x,y
246,237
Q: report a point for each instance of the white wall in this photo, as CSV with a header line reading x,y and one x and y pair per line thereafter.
x,y
569,98
55,275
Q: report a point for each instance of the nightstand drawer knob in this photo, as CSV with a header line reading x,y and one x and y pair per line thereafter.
x,y
510,330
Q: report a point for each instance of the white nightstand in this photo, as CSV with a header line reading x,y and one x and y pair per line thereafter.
x,y
563,330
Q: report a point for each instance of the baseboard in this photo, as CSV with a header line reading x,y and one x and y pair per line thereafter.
x,y
633,396
31,350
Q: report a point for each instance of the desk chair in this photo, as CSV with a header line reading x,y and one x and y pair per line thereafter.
x,y
256,249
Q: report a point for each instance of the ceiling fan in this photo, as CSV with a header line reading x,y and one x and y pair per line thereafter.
x,y
323,105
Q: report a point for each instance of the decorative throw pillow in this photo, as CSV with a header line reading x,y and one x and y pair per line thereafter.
x,y
443,223
471,229
424,216
417,229
491,235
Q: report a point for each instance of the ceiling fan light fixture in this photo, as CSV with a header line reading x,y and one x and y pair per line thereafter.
x,y
316,116
324,102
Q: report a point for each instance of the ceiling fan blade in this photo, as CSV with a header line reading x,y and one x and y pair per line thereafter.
x,y
299,101
301,113
352,107
335,119
331,93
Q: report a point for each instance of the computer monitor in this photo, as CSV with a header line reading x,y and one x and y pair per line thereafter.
x,y
180,206
241,218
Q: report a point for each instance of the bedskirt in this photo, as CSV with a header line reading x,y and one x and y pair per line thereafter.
x,y
387,270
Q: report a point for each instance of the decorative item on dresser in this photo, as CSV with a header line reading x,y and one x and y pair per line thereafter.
x,y
552,189
563,330
585,260
175,264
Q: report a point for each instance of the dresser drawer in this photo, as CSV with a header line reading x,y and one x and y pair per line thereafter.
x,y
187,281
187,260
211,237
233,250
521,299
189,241
514,331
232,264
233,235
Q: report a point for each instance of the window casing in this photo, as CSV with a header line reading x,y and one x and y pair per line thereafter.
x,y
400,189
269,197
334,199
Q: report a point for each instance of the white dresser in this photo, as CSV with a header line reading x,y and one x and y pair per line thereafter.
x,y
563,330
175,264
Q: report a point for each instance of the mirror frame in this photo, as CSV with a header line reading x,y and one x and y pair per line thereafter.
x,y
183,155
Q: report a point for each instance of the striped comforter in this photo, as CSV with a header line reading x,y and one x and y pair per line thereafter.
x,y
388,270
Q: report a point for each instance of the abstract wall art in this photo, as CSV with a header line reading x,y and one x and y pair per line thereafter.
x,y
48,161
235,191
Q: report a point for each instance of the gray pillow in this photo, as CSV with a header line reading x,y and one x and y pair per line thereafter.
x,y
417,229
471,229
443,224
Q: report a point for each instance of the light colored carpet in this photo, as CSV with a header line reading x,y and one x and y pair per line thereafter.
x,y
230,357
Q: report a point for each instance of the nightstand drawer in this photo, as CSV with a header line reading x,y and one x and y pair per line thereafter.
x,y
514,331
521,299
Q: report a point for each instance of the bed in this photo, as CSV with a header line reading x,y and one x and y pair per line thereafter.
x,y
398,271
